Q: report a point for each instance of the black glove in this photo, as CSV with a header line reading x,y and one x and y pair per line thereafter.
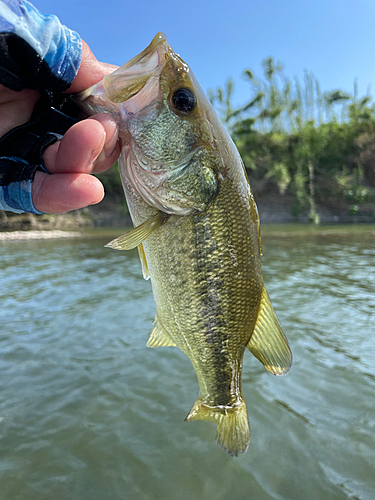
x,y
21,148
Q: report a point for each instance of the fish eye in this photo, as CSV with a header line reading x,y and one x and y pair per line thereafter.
x,y
184,100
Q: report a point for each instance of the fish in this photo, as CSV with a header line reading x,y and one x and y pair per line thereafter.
x,y
197,230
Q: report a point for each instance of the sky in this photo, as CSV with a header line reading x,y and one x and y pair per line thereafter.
x,y
334,39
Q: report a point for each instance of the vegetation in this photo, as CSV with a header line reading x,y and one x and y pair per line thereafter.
x,y
317,146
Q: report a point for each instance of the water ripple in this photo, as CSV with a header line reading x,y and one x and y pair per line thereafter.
x,y
88,412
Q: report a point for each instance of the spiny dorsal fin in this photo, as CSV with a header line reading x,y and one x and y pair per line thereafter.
x,y
159,337
268,342
142,257
136,236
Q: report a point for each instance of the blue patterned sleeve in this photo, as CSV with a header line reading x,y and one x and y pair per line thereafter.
x,y
36,52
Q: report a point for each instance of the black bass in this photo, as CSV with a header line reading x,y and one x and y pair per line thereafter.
x,y
196,229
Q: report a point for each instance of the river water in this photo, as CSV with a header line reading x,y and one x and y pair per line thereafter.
x,y
88,412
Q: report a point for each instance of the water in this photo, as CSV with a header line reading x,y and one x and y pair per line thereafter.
x,y
88,412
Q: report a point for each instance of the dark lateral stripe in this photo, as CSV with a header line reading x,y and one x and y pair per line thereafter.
x,y
212,322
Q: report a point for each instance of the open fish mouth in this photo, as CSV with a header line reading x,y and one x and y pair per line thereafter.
x,y
129,79
146,59
141,72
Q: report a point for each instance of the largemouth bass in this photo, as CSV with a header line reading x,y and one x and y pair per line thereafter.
x,y
196,229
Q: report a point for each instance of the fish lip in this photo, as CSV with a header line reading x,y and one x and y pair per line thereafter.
x,y
141,67
138,76
156,43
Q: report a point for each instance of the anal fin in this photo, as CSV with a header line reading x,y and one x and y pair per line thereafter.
x,y
268,342
159,337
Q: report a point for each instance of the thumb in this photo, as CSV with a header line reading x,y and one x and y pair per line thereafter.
x,y
91,71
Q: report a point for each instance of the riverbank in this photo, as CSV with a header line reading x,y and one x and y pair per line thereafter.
x,y
267,231
105,214
37,235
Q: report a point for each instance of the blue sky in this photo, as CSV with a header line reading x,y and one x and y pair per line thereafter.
x,y
335,39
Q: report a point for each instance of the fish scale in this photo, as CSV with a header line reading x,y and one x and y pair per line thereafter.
x,y
220,320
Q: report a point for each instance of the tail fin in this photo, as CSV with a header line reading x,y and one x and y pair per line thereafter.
x,y
233,430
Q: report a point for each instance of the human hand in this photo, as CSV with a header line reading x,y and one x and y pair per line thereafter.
x,y
89,146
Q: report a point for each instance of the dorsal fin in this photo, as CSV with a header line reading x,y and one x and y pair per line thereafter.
x,y
268,342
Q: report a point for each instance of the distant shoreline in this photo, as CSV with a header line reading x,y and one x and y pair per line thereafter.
x,y
37,235
284,230
273,209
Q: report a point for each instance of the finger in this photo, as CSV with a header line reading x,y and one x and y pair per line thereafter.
x,y
63,192
88,146
91,71
112,144
16,108
108,68
77,150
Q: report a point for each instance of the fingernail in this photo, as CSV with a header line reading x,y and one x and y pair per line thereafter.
x,y
111,144
95,154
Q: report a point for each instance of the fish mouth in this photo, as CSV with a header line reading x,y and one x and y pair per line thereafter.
x,y
132,77
159,42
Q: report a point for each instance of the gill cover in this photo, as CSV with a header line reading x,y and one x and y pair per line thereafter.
x,y
167,155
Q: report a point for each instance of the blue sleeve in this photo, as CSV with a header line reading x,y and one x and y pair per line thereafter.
x,y
36,52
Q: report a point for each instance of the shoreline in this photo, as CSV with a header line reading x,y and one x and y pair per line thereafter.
x,y
273,210
37,235
279,230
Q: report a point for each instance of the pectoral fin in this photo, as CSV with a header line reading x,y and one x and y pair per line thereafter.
x,y
138,235
142,258
268,342
159,337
